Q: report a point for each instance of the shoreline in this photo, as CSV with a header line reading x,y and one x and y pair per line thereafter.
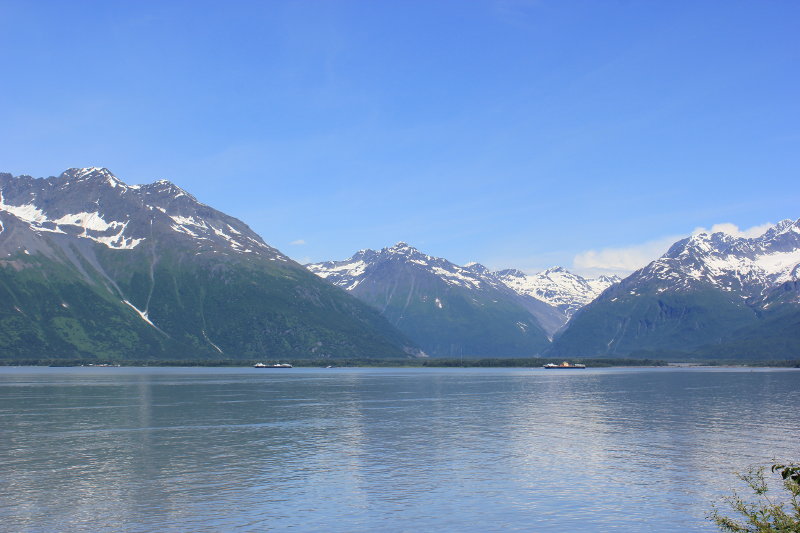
x,y
403,363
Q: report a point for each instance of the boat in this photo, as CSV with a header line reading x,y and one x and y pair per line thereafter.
x,y
276,365
565,364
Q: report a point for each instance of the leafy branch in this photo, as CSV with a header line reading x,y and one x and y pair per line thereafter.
x,y
762,514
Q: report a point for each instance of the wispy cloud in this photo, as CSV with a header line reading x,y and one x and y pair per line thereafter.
x,y
733,229
298,242
625,259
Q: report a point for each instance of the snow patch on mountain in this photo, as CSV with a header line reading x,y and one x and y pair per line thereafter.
x,y
26,212
350,272
89,222
345,274
117,242
59,205
748,266
557,286
84,174
142,314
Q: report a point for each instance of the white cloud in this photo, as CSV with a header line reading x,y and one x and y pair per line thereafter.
x,y
624,260
733,229
298,242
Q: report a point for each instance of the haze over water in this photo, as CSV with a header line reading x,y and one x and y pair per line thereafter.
x,y
145,449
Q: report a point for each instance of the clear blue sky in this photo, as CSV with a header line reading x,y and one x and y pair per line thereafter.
x,y
515,133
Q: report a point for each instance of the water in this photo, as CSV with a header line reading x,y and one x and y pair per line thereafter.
x,y
136,449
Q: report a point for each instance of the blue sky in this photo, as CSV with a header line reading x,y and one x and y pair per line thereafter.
x,y
516,133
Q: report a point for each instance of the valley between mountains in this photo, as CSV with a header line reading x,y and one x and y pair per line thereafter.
x,y
91,267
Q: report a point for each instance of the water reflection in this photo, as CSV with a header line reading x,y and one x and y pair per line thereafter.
x,y
389,450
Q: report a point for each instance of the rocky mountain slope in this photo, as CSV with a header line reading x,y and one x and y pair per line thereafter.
x,y
412,290
709,295
448,310
92,267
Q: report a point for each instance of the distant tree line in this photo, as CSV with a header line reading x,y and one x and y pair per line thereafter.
x,y
518,362
521,362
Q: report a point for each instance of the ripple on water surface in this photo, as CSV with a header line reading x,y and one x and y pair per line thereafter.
x,y
383,449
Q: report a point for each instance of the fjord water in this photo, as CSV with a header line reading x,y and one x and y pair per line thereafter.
x,y
138,449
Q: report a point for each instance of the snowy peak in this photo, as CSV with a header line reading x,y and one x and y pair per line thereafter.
x,y
50,209
784,226
402,247
478,269
402,250
447,309
349,273
609,279
99,175
162,189
346,274
748,266
714,295
512,272
91,203
558,287
448,272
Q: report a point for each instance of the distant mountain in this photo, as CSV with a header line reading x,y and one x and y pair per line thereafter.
x,y
448,310
558,287
710,295
92,267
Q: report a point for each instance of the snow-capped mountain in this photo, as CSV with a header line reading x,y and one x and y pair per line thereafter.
x,y
92,203
348,274
448,310
709,295
748,267
558,287
551,296
92,267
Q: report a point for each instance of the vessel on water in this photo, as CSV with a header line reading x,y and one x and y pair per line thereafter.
x,y
565,364
276,365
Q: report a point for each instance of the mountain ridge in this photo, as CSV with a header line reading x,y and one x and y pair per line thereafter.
x,y
371,275
92,267
448,310
709,294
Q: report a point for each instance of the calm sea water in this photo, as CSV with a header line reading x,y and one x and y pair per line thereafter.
x,y
135,449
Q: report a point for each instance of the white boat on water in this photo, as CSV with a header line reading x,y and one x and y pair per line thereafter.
x,y
565,364
276,365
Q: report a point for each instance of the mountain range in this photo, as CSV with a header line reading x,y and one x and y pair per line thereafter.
x,y
451,310
91,267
